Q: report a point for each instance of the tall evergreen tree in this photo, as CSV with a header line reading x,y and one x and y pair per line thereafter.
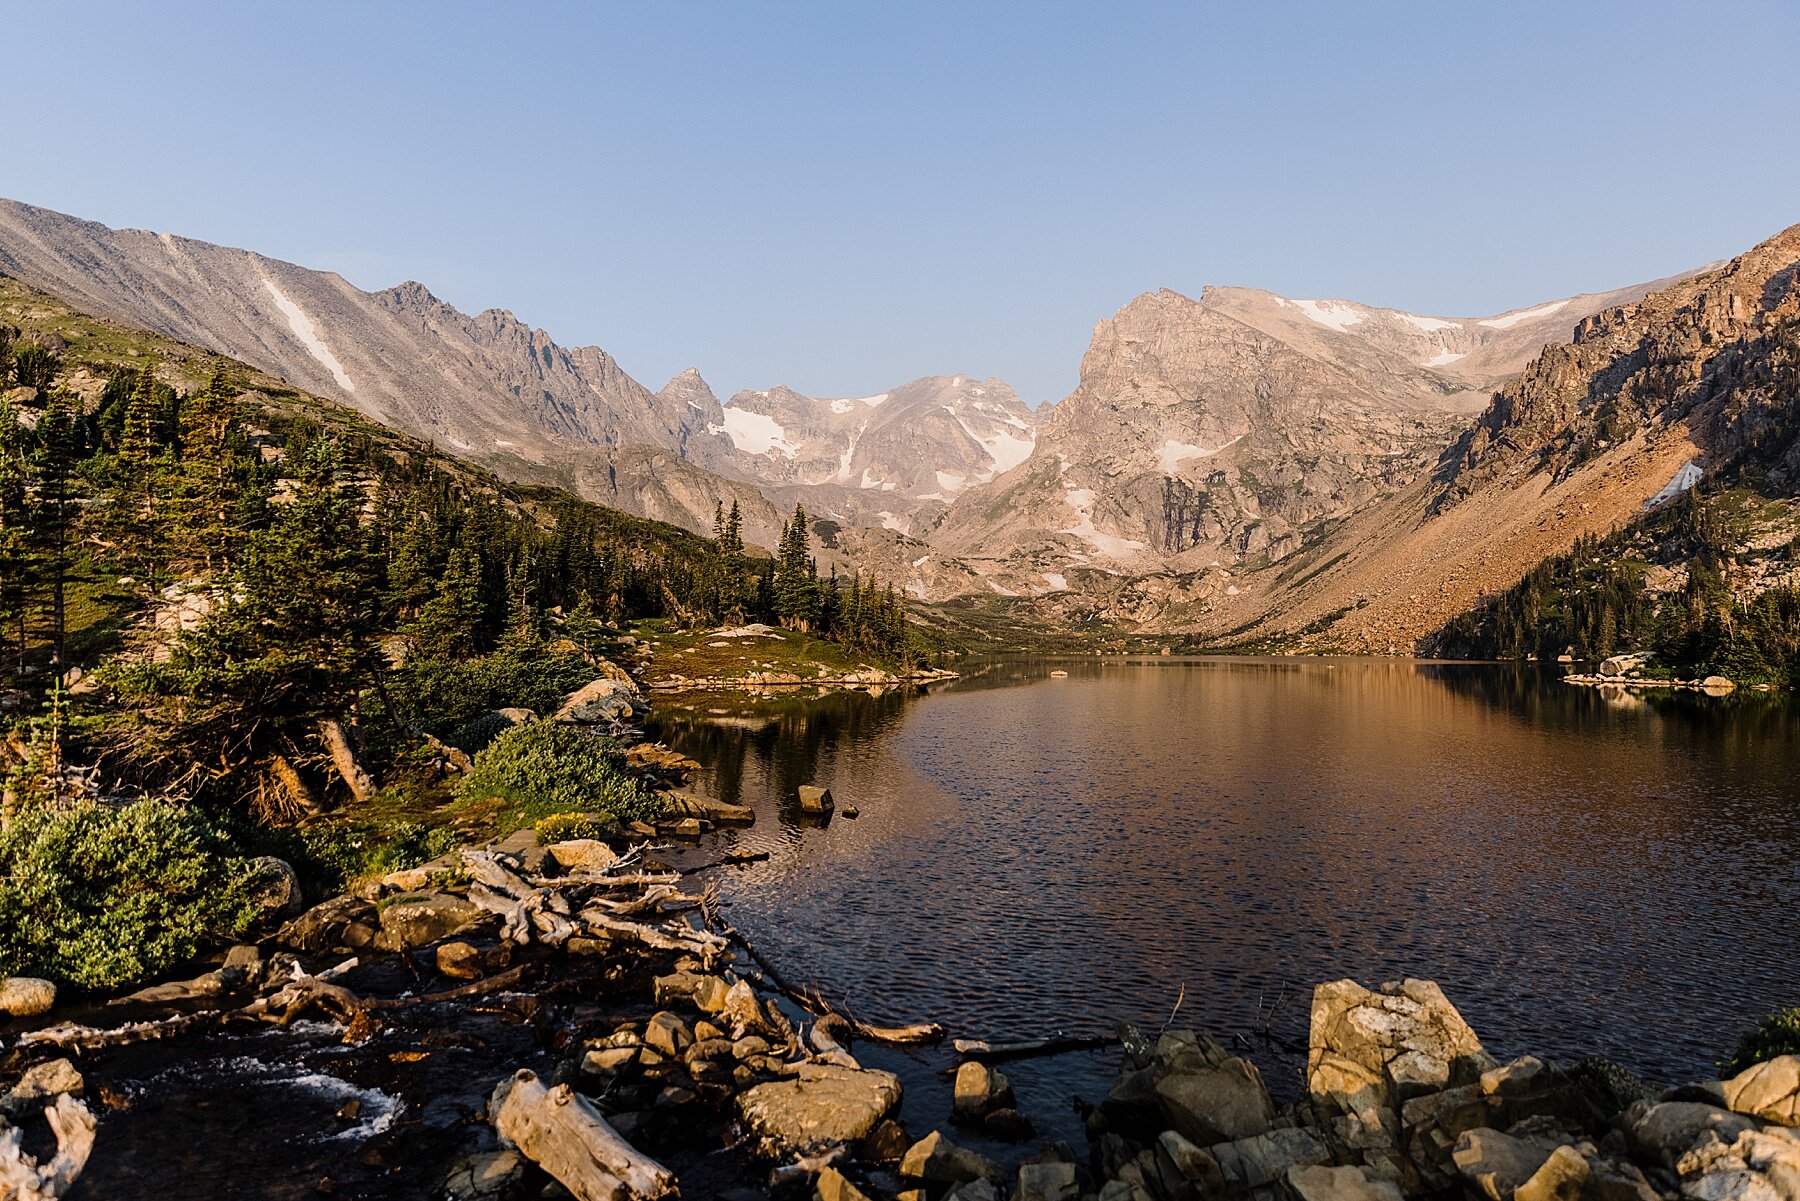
x,y
15,526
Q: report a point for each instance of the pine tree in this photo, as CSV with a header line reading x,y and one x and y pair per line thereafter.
x,y
732,543
15,527
139,445
796,583
447,626
58,454
206,492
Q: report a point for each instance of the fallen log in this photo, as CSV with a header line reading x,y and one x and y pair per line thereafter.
x,y
83,1039
563,1134
343,757
1055,1044
697,942
23,1178
499,982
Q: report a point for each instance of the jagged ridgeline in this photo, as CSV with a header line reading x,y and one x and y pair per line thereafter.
x,y
237,566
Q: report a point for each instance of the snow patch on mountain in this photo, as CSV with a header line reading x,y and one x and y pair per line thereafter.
x,y
1331,314
754,433
1685,477
1429,324
1444,358
303,329
1082,501
1512,319
1172,453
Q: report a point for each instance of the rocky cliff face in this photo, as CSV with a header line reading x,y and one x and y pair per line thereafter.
x,y
1649,396
1233,429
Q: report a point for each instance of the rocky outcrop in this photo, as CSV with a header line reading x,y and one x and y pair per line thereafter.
x,y
1769,1091
1685,382
1209,435
1404,1102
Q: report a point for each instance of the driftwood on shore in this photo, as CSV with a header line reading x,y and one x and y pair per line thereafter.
x,y
24,1178
1055,1044
566,1136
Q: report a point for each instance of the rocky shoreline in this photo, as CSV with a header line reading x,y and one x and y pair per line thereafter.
x,y
702,1048
873,677
549,1018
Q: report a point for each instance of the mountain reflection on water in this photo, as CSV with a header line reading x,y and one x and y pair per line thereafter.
x,y
1584,873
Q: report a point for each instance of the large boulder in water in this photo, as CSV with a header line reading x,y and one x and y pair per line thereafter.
x,y
819,1105
610,698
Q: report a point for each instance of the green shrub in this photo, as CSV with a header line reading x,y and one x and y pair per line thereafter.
x,y
101,896
443,695
1774,1036
563,827
329,858
545,767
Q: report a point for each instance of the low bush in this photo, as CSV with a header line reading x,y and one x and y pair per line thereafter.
x,y
1774,1036
565,827
544,768
103,896
329,858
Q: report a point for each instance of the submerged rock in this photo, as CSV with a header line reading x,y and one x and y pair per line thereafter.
x,y
979,1091
936,1160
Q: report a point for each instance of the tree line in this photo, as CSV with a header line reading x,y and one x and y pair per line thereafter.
x,y
344,593
1592,602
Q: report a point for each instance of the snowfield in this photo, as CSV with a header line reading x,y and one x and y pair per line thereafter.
x,y
755,434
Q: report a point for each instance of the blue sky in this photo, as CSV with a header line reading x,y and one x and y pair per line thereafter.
x,y
842,197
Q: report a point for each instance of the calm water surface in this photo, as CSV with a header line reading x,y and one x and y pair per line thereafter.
x,y
1583,874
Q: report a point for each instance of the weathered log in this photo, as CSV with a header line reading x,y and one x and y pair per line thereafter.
x,y
1055,1044
82,1039
540,915
343,757
563,1134
499,982
23,1178
689,941
486,868
292,785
